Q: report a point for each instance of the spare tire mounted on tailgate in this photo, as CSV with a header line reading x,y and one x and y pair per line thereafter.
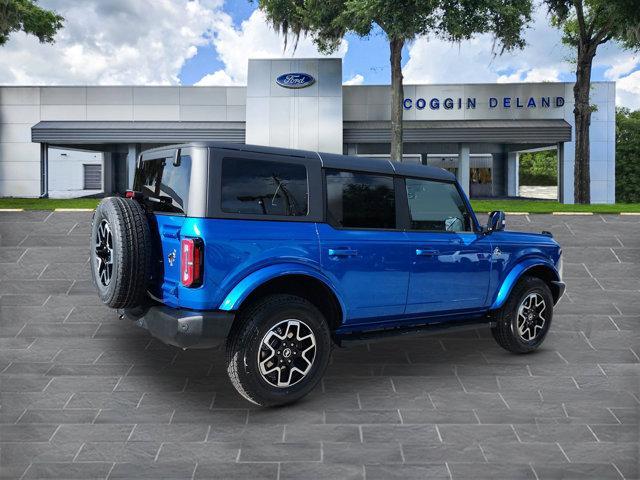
x,y
121,252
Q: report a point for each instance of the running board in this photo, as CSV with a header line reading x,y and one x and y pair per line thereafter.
x,y
418,330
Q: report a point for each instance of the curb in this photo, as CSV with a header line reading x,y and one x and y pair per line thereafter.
x,y
571,213
73,209
516,213
11,209
630,213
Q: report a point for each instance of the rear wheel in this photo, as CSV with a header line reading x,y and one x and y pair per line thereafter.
x,y
121,252
278,351
524,320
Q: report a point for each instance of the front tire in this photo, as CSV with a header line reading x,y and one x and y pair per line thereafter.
x,y
278,351
524,320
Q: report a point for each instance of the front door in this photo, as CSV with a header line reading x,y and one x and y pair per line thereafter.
x,y
360,248
451,264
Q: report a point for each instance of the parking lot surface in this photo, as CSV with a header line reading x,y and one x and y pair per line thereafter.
x,y
87,395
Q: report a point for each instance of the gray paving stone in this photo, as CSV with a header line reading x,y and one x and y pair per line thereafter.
x,y
251,451
58,416
381,410
169,470
576,471
490,471
355,452
209,452
406,472
91,470
169,433
230,471
296,433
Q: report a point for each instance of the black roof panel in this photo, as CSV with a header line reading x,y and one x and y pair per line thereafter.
x,y
333,160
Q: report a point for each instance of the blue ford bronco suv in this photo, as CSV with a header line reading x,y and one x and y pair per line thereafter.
x,y
280,254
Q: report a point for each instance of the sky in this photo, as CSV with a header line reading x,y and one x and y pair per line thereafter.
x,y
208,42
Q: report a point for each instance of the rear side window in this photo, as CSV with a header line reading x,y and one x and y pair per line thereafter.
x,y
259,187
437,207
360,200
164,185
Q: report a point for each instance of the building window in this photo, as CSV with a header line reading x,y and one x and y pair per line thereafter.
x,y
360,200
92,175
437,207
259,187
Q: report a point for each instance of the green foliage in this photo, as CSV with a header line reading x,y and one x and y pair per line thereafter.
x,y
327,21
28,17
597,21
627,155
539,168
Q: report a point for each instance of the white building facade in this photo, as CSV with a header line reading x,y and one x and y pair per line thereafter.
x,y
475,130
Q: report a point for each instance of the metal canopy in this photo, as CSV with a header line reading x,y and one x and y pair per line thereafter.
x,y
58,132
452,131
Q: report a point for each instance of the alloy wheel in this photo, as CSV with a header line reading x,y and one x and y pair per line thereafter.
x,y
286,353
104,253
531,317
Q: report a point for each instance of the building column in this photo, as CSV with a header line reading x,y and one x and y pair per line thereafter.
x,y
133,151
464,166
108,173
513,166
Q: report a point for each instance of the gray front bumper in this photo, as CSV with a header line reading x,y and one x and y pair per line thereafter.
x,y
184,328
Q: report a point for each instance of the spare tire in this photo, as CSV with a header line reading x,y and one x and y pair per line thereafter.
x,y
121,252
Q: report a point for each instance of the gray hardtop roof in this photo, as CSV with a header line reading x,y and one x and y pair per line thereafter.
x,y
331,160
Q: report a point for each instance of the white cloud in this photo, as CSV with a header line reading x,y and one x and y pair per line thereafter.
x,y
114,42
253,39
628,91
357,79
436,61
531,75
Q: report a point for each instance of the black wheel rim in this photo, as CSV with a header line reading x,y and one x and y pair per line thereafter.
x,y
286,353
531,317
103,247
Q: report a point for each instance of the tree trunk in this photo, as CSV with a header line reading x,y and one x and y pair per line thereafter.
x,y
397,97
582,114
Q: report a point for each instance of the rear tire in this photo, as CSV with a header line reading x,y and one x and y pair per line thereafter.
x,y
278,351
524,320
121,251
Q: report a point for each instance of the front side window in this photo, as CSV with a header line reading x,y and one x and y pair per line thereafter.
x,y
437,207
360,200
258,187
165,186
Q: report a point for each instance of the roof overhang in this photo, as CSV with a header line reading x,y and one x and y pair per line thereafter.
x,y
475,131
58,132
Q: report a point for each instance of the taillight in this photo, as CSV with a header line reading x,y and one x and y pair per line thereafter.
x,y
192,255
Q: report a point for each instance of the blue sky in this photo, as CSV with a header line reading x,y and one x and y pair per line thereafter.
x,y
368,56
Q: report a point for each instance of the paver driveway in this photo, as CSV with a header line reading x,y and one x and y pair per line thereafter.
x,y
85,394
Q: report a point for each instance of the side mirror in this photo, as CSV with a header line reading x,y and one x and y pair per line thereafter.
x,y
496,221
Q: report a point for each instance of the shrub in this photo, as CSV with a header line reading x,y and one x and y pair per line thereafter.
x,y
627,156
539,168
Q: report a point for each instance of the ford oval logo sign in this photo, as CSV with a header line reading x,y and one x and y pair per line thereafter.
x,y
295,80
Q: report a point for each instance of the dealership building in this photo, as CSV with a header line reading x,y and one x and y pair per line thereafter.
x,y
83,140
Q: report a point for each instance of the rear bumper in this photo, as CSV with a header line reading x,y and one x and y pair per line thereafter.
x,y
184,328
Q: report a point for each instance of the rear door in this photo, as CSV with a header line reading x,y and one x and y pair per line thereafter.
x,y
451,262
361,248
163,178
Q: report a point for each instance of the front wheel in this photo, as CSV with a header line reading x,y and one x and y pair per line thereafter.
x,y
278,351
524,320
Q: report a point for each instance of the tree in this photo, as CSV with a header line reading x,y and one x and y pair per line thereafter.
x,y
327,21
28,17
627,156
587,24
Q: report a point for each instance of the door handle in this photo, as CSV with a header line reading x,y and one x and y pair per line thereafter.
x,y
342,252
423,252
